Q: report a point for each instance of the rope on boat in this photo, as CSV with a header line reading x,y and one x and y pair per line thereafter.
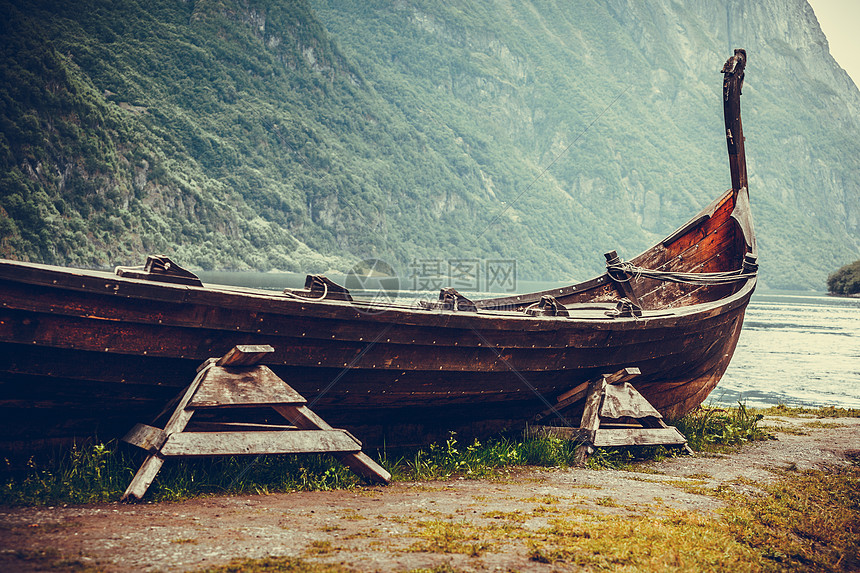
x,y
300,297
626,271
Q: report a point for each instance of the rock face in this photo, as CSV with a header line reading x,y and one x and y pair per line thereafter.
x,y
304,135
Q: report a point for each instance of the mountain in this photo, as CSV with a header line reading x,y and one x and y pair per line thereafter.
x,y
306,135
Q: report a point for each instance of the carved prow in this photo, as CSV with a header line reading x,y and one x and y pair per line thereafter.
x,y
733,81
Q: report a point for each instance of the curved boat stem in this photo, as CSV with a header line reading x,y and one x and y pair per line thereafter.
x,y
733,81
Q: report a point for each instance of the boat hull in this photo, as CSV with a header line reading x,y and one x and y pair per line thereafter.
x,y
89,353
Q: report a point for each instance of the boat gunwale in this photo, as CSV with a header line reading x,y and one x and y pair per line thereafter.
x,y
381,313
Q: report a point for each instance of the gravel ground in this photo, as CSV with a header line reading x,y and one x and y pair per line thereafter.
x,y
372,529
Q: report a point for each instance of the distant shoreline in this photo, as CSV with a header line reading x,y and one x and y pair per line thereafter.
x,y
854,295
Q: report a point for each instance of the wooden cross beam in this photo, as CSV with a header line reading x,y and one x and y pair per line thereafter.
x,y
580,391
235,380
608,398
611,397
245,355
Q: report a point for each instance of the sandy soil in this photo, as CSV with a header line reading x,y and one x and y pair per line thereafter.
x,y
372,529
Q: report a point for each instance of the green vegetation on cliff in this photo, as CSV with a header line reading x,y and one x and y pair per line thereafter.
x,y
136,127
303,135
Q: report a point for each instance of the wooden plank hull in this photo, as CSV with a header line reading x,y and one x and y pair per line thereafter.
x,y
79,362
86,353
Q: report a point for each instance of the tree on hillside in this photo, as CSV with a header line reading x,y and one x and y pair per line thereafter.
x,y
846,280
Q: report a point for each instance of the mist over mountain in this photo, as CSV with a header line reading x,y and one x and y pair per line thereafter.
x,y
305,135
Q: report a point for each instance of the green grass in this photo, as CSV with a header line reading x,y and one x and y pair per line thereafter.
x,y
101,472
480,459
711,429
823,412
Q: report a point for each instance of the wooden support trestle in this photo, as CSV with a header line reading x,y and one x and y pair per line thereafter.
x,y
221,386
614,414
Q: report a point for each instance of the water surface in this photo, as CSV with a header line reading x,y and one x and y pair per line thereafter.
x,y
797,349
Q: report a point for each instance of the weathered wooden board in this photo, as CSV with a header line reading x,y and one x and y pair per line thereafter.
x,y
177,422
622,375
573,395
143,478
146,437
622,400
265,442
563,432
215,426
245,355
580,391
638,437
591,411
225,386
359,462
362,465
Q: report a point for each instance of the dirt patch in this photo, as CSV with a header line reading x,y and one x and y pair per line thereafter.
x,y
386,528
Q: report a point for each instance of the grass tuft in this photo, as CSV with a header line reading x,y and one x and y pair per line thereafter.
x,y
718,429
97,472
480,459
442,568
321,548
823,412
676,541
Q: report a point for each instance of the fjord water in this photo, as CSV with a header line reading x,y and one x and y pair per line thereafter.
x,y
797,349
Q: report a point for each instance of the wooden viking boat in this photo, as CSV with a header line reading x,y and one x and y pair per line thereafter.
x,y
86,353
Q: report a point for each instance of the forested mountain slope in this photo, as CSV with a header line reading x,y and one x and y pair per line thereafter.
x,y
306,135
